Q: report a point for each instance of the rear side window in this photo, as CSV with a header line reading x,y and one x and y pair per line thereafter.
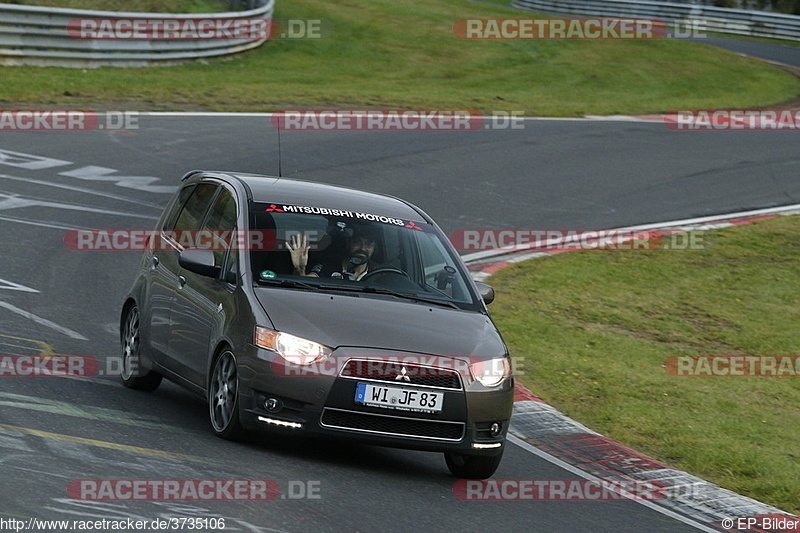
x,y
222,223
223,214
177,206
192,213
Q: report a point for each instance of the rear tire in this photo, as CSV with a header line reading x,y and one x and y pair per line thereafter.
x,y
132,375
465,466
223,398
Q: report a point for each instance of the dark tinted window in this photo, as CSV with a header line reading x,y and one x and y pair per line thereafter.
x,y
177,206
221,222
192,213
223,213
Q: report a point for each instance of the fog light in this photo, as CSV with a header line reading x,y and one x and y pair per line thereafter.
x,y
273,405
494,429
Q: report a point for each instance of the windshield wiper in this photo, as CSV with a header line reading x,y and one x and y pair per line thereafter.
x,y
290,283
390,292
296,284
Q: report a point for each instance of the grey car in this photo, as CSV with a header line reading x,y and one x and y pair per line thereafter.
x,y
304,307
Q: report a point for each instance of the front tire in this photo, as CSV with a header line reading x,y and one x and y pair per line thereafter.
x,y
465,466
132,375
223,397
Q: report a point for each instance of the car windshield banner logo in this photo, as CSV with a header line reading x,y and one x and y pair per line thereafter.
x,y
343,213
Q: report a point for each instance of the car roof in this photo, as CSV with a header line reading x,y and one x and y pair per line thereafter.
x,y
271,189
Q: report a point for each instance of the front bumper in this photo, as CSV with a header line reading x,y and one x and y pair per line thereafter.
x,y
325,405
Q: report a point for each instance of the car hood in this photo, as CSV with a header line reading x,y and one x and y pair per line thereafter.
x,y
380,322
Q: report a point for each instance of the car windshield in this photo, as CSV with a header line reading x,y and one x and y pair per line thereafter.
x,y
356,252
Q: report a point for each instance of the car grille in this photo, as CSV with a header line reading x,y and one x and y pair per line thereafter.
x,y
414,374
392,425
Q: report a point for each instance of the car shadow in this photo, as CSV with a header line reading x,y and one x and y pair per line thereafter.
x,y
187,413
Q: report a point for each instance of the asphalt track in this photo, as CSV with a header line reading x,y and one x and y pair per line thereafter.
x,y
552,174
785,54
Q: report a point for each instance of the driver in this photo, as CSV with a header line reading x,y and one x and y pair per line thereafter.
x,y
359,248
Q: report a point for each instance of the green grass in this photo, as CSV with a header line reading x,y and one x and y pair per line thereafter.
x,y
593,329
402,53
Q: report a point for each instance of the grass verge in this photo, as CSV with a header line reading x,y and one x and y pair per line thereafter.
x,y
403,53
594,329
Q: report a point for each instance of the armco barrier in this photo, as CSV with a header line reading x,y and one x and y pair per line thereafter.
x,y
685,16
35,35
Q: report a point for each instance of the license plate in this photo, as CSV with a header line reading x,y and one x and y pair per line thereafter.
x,y
399,398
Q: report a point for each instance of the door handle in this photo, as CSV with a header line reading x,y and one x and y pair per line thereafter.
x,y
155,261
181,282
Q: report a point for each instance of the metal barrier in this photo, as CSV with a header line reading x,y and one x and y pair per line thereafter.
x,y
36,35
695,19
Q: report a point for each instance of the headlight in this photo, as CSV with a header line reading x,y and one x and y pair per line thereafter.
x,y
492,372
294,349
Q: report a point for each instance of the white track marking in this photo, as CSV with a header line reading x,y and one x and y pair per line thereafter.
x,y
140,183
585,475
496,255
43,321
11,286
28,161
588,118
13,201
81,189
41,224
720,218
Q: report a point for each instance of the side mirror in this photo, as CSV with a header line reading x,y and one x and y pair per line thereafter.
x,y
200,262
486,291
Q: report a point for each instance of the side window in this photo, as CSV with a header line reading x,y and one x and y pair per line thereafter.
x,y
177,206
192,213
221,223
438,267
223,213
